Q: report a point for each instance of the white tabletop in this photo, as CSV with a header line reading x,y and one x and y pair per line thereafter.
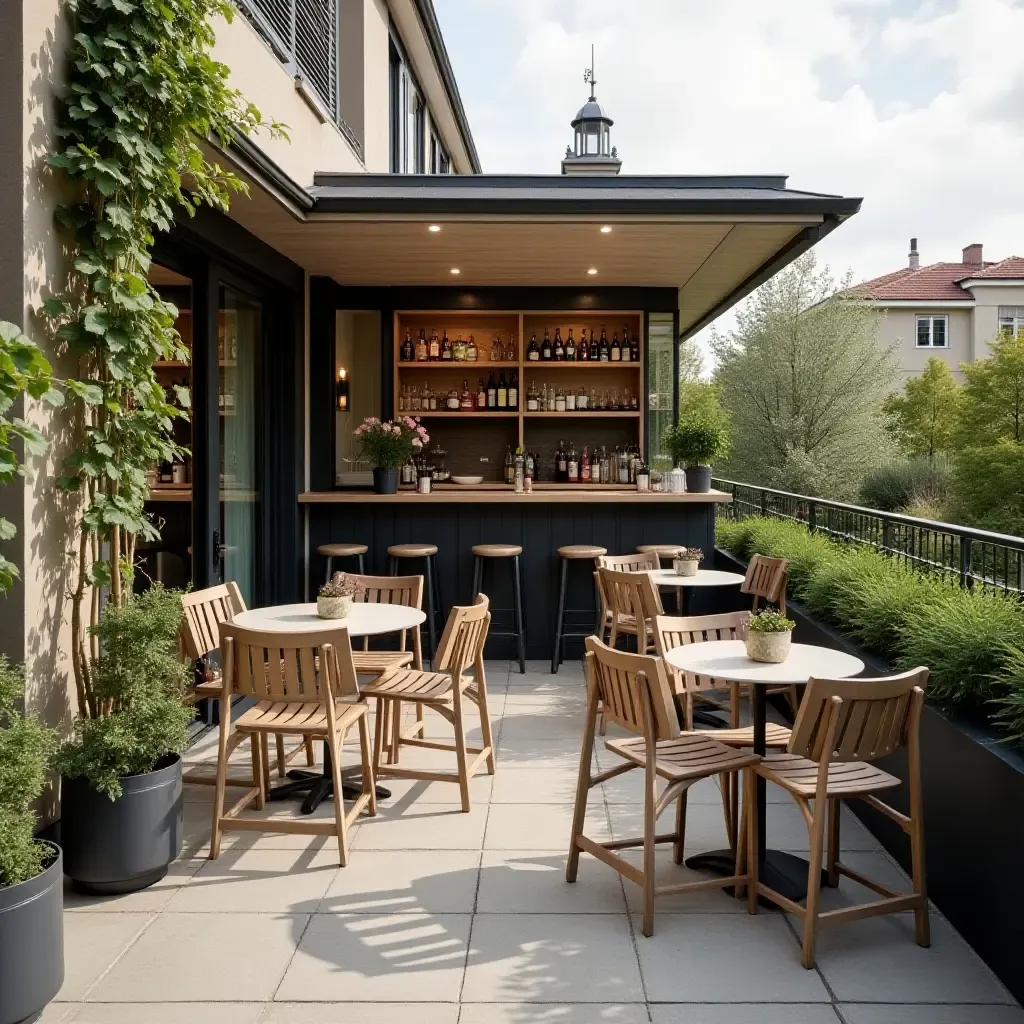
x,y
365,619
704,578
727,660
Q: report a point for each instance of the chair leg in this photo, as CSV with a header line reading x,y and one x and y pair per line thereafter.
x,y
745,863
222,775
817,837
369,775
751,834
257,769
396,731
282,767
460,748
677,846
431,624
485,716
339,797
794,699
650,824
834,813
378,733
732,780
517,586
310,752
916,830
265,761
556,654
579,813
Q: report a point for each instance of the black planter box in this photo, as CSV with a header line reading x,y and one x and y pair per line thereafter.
x,y
973,786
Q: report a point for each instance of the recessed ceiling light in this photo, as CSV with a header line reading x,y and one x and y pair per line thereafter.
x,y
455,270
592,271
606,229
434,228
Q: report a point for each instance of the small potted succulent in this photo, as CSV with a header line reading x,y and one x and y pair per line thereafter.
x,y
686,560
769,637
389,445
337,595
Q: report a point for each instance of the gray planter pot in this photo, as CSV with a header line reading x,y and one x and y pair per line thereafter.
x,y
31,943
698,479
118,846
385,481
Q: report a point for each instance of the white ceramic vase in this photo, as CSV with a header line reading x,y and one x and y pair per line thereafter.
x,y
769,647
333,607
685,566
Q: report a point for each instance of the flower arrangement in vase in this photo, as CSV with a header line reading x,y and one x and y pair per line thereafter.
x,y
686,561
769,637
335,598
389,445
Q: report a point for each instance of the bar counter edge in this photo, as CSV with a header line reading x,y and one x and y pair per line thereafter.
x,y
471,497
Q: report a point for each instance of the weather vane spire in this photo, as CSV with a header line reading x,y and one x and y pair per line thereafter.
x,y
588,75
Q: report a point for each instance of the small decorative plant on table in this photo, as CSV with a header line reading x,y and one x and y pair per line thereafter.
x,y
686,561
390,444
769,637
337,595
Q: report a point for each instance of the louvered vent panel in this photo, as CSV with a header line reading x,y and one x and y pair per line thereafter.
x,y
316,47
273,18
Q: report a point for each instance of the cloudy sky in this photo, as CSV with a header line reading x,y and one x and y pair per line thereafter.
x,y
915,105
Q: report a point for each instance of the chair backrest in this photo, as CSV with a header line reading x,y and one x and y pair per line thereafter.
x,y
630,593
675,631
407,590
767,579
204,611
464,636
288,667
858,719
624,682
639,561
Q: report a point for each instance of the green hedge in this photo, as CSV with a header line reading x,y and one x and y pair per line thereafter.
x,y
972,642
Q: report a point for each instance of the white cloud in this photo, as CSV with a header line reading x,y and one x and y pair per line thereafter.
x,y
916,106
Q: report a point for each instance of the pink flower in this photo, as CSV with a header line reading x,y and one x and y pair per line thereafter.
x,y
417,443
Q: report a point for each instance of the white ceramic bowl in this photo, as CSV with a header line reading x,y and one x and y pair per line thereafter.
x,y
467,481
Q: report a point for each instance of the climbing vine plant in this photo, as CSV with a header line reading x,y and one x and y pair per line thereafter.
x,y
144,99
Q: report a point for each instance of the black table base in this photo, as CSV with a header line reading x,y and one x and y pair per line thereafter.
x,y
783,872
319,785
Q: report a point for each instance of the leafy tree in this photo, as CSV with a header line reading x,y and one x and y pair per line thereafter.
x,y
804,380
923,418
691,361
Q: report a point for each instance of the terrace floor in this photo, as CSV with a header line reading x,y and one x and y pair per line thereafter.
x,y
446,918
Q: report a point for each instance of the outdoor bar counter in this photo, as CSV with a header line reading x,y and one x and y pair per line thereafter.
x,y
455,518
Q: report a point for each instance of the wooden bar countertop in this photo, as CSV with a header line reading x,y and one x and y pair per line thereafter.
x,y
565,494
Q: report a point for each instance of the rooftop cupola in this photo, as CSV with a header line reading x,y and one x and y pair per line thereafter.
x,y
594,152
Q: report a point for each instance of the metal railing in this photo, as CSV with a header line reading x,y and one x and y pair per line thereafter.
x,y
961,554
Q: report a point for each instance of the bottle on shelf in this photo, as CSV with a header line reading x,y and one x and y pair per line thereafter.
x,y
615,352
492,392
627,349
585,466
558,353
560,401
422,349
511,355
533,352
452,402
546,350
528,468
573,464
447,349
592,401
613,401
570,400
495,355
509,466
519,470
561,465
502,391
434,350
581,398
472,353
466,400
570,348
583,351
481,396
551,399
403,399
513,391
532,398
603,352
459,350
408,352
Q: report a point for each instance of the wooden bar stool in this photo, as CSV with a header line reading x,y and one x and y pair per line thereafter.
x,y
333,551
483,552
434,607
568,553
665,552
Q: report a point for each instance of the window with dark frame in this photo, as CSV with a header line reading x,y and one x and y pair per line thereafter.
x,y
933,331
1011,320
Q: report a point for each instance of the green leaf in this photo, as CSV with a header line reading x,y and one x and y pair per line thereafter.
x,y
8,531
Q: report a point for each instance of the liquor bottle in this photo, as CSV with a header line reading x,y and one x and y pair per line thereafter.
x,y
602,402
613,401
447,349
560,401
466,401
509,466
471,350
532,399
627,351
492,392
585,467
573,464
519,470
603,354
495,349
408,352
583,352
459,350
502,391
546,351
570,348
435,347
615,352
634,348
529,467
510,351
551,399
452,402
581,398
533,352
422,349
513,391
481,396
570,400
562,465
559,348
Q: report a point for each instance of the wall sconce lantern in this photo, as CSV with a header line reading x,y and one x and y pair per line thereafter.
x,y
341,390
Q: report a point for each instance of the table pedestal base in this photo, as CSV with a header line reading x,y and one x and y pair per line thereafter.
x,y
783,872
319,786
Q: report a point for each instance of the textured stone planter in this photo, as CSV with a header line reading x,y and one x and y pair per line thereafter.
x,y
685,566
333,607
772,648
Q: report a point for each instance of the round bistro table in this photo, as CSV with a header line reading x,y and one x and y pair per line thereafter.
x,y
365,619
727,660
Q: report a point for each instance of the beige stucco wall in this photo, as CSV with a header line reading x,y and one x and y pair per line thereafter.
x,y
986,313
900,327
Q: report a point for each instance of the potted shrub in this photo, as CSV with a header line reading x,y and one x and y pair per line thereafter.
x,y
686,561
336,596
697,441
121,800
31,887
389,445
769,637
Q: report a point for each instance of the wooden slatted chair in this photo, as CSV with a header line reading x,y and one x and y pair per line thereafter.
x,y
675,631
304,685
636,694
633,601
766,580
461,648
843,726
204,611
640,562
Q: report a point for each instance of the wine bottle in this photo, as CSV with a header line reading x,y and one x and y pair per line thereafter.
x,y
559,348
615,352
481,396
603,353
583,351
513,391
422,349
546,351
447,351
502,391
408,352
435,347
492,392
533,352
570,348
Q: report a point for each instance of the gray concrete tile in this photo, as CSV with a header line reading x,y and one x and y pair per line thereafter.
x,y
534,883
902,1013
540,827
169,1013
92,943
746,1013
361,1013
560,1013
